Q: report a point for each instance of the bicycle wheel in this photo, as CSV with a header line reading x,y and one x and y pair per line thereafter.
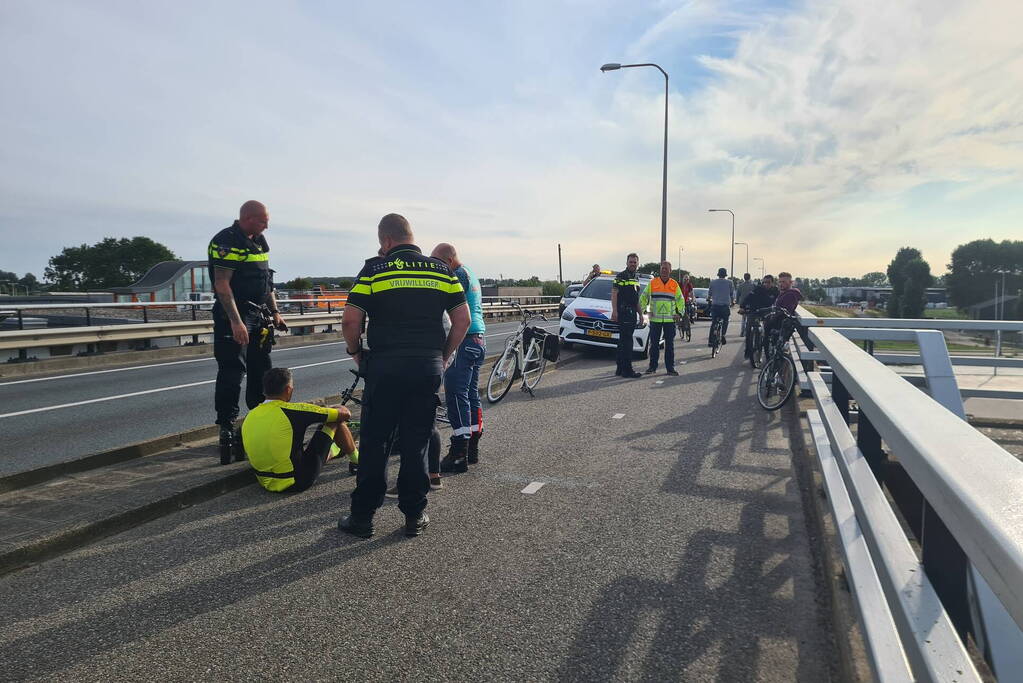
x,y
503,374
533,365
715,338
777,379
754,347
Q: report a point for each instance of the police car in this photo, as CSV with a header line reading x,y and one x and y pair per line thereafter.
x,y
587,319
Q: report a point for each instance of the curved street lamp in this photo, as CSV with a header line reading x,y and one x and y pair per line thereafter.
x,y
747,254
664,173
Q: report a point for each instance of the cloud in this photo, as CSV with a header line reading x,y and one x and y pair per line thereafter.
x,y
491,125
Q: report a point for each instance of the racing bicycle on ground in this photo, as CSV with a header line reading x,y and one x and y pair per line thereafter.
x,y
778,374
523,356
717,326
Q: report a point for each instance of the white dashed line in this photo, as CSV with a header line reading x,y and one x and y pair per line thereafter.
x,y
617,416
533,488
660,381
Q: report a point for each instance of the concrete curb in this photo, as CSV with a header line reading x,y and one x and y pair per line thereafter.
x,y
21,480
76,537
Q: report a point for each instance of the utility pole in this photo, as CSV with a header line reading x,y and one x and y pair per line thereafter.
x,y
561,280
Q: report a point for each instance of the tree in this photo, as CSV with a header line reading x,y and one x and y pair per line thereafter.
x,y
874,279
109,263
651,268
29,282
910,276
553,288
978,265
299,283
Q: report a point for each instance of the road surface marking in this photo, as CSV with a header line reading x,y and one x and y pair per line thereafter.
x,y
178,362
533,488
616,416
660,381
151,365
147,391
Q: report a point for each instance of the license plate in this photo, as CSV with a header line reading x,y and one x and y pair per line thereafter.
x,y
599,333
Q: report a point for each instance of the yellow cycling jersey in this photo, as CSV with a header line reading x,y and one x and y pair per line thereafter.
x,y
272,436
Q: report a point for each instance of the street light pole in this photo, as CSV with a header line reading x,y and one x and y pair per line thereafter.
x,y
747,254
680,250
664,166
762,271
731,272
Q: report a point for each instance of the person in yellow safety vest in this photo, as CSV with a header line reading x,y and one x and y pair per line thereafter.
x,y
274,431
667,306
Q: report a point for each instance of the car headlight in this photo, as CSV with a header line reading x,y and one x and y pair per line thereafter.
x,y
567,316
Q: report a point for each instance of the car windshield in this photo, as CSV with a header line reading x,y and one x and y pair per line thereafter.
x,y
601,288
598,289
700,292
574,290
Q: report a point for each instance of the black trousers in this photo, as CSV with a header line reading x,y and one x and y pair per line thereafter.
x,y
233,361
668,331
400,393
308,467
626,330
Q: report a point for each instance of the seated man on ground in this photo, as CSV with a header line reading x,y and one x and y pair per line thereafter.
x,y
274,432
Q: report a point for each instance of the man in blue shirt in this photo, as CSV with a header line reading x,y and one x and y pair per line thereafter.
x,y
462,378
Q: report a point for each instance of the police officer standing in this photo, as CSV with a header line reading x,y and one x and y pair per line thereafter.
x,y
239,266
405,295
625,311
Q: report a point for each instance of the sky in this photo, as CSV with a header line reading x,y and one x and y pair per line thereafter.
x,y
836,131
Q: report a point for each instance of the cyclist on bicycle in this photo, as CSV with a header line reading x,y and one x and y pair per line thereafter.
x,y
788,298
720,296
687,294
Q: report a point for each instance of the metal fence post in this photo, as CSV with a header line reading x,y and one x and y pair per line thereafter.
x,y
145,314
946,566
840,395
869,443
88,317
21,320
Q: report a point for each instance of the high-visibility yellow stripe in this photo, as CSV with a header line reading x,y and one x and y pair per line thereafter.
x,y
416,283
361,289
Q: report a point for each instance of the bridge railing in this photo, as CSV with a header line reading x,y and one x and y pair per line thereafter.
x,y
959,494
298,313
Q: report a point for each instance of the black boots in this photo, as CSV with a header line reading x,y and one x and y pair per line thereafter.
x,y
473,452
455,460
226,443
230,444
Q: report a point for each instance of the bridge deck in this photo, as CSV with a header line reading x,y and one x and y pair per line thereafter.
x,y
669,544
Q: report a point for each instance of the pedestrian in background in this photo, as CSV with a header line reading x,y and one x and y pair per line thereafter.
x,y
594,272
743,291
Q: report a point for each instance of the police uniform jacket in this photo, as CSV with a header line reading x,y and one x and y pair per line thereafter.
x,y
626,283
405,294
249,259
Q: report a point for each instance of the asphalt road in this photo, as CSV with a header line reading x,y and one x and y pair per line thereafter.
x,y
667,544
48,420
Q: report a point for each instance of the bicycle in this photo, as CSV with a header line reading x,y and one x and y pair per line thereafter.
x,y
685,327
716,334
778,374
523,356
348,395
754,350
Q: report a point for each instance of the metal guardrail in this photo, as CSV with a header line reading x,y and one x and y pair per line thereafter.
x,y
960,494
310,313
23,339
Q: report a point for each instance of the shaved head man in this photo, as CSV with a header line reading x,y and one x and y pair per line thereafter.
x,y
240,271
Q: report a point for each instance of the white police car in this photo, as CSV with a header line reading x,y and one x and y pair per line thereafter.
x,y
587,319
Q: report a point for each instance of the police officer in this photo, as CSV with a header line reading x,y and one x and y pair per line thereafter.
x,y
240,270
405,295
625,311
